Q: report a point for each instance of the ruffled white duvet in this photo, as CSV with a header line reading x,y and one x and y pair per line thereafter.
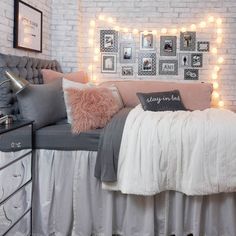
x,y
191,152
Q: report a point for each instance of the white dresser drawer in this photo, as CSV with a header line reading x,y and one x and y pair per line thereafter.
x,y
14,208
22,228
14,176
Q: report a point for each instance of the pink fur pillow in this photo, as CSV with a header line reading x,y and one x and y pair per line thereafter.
x,y
91,108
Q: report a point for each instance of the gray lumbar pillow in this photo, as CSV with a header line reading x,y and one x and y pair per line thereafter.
x,y
44,103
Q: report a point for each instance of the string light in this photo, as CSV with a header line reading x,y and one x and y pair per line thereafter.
x,y
117,28
110,20
91,32
96,50
90,42
219,40
145,32
216,68
135,31
214,76
221,104
95,58
219,21
163,30
211,19
154,32
202,24
219,31
174,31
193,27
90,67
220,60
126,30
183,29
214,50
215,95
92,23
215,85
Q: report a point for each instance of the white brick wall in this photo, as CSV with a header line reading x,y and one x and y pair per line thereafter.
x,y
7,22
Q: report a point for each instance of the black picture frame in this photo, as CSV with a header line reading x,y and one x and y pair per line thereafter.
x,y
31,38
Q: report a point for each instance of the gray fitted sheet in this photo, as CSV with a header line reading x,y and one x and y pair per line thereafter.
x,y
59,137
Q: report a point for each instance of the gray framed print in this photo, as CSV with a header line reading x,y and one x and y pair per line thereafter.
x,y
196,59
147,41
108,41
184,60
191,74
203,46
188,41
168,46
127,71
168,67
108,63
147,64
127,53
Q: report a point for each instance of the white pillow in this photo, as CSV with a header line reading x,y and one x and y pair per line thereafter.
x,y
116,95
66,84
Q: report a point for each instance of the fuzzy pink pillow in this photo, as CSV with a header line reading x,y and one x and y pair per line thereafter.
x,y
91,108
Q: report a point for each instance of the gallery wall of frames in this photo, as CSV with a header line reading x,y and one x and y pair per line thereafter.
x,y
168,60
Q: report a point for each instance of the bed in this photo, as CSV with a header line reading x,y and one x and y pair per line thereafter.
x,y
69,200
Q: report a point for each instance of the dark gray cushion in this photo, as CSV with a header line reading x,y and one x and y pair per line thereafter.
x,y
161,101
44,104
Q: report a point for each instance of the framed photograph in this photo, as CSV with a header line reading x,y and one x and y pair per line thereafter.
x,y
196,59
184,60
147,64
108,63
168,67
203,46
127,53
127,71
28,24
147,41
188,41
191,74
108,41
168,46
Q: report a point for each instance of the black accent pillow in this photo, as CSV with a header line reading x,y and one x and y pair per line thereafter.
x,y
161,101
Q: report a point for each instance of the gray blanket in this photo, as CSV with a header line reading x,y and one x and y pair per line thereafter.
x,y
109,147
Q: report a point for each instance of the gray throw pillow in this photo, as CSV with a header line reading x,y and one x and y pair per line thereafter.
x,y
44,103
161,101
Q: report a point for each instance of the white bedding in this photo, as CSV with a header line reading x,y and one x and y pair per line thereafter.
x,y
190,152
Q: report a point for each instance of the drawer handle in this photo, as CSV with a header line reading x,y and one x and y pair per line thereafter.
x,y
16,145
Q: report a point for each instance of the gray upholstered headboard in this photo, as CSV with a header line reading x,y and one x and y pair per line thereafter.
x,y
25,67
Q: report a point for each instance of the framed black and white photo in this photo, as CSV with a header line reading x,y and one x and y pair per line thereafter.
x,y
127,71
184,60
196,59
147,64
203,46
147,41
108,41
168,46
191,74
127,53
168,67
188,41
108,63
28,24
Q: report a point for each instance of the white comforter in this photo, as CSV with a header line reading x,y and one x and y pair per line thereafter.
x,y
190,152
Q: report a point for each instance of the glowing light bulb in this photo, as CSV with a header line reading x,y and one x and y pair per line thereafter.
x,y
90,42
215,85
220,60
154,32
214,76
221,103
90,67
92,23
219,40
91,32
164,31
219,31
174,31
95,58
183,29
219,21
145,32
135,31
202,24
117,28
96,50
216,68
126,30
214,50
215,94
193,27
101,17
110,20
211,19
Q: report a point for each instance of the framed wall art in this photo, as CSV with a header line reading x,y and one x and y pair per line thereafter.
x,y
28,24
188,41
168,67
108,41
127,53
196,59
203,46
168,46
127,71
147,64
108,63
191,74
184,60
147,41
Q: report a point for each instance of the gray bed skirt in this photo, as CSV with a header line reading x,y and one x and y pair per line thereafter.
x,y
68,200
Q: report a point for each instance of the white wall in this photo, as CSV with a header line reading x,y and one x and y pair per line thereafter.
x,y
7,22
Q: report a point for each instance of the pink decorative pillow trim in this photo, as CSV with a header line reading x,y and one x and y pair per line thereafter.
x,y
51,75
91,108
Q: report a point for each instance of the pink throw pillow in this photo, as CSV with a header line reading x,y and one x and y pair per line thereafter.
x,y
91,108
51,75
